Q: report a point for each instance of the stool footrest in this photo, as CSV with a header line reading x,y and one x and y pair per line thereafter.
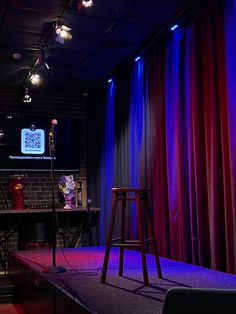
x,y
132,241
126,244
116,239
126,241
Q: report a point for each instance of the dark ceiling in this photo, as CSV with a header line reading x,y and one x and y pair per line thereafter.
x,y
104,37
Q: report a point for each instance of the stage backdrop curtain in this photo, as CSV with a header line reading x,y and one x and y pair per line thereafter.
x,y
192,125
176,134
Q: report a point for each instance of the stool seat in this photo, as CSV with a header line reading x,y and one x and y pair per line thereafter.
x,y
140,196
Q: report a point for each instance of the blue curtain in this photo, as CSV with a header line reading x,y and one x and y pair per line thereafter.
x,y
123,156
137,116
107,167
137,124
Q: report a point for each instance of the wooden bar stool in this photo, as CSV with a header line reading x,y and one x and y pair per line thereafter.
x,y
137,195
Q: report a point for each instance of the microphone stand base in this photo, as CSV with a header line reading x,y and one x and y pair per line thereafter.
x,y
53,269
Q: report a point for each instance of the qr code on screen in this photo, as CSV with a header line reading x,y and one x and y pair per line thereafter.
x,y
33,140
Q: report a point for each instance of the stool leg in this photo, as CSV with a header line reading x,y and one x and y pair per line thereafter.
x,y
155,249
121,259
109,238
141,238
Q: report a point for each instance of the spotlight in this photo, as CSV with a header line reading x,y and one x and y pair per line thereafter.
x,y
63,31
174,27
35,79
2,134
87,3
27,97
109,81
136,59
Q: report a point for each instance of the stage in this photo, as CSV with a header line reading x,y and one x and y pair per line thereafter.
x,y
79,290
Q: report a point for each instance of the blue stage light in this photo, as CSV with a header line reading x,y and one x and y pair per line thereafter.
x,y
174,27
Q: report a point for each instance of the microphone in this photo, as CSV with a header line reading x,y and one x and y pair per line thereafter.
x,y
53,126
52,148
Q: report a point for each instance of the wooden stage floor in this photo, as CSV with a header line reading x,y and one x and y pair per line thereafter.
x,y
79,290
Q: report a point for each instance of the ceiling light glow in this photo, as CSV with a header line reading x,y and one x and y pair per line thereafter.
x,y
174,27
2,134
87,4
35,79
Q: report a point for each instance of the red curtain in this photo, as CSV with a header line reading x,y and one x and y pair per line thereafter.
x,y
191,165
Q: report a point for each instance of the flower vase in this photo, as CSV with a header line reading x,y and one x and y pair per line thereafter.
x,y
69,200
17,186
67,187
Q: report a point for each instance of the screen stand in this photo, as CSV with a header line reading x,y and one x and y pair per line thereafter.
x,y
53,268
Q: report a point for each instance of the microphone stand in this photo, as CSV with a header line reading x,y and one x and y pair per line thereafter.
x,y
54,268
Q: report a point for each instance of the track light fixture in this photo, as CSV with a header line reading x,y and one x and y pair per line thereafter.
x,y
27,97
35,79
84,3
87,3
63,31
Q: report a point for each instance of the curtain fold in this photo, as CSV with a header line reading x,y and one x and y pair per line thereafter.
x,y
107,163
137,125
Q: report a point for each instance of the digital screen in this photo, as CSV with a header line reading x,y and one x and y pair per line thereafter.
x,y
25,144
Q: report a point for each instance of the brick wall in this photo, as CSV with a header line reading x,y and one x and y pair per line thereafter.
x,y
38,189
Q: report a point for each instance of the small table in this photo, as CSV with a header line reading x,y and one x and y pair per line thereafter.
x,y
12,219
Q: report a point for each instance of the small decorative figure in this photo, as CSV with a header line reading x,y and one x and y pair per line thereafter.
x,y
67,187
17,186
